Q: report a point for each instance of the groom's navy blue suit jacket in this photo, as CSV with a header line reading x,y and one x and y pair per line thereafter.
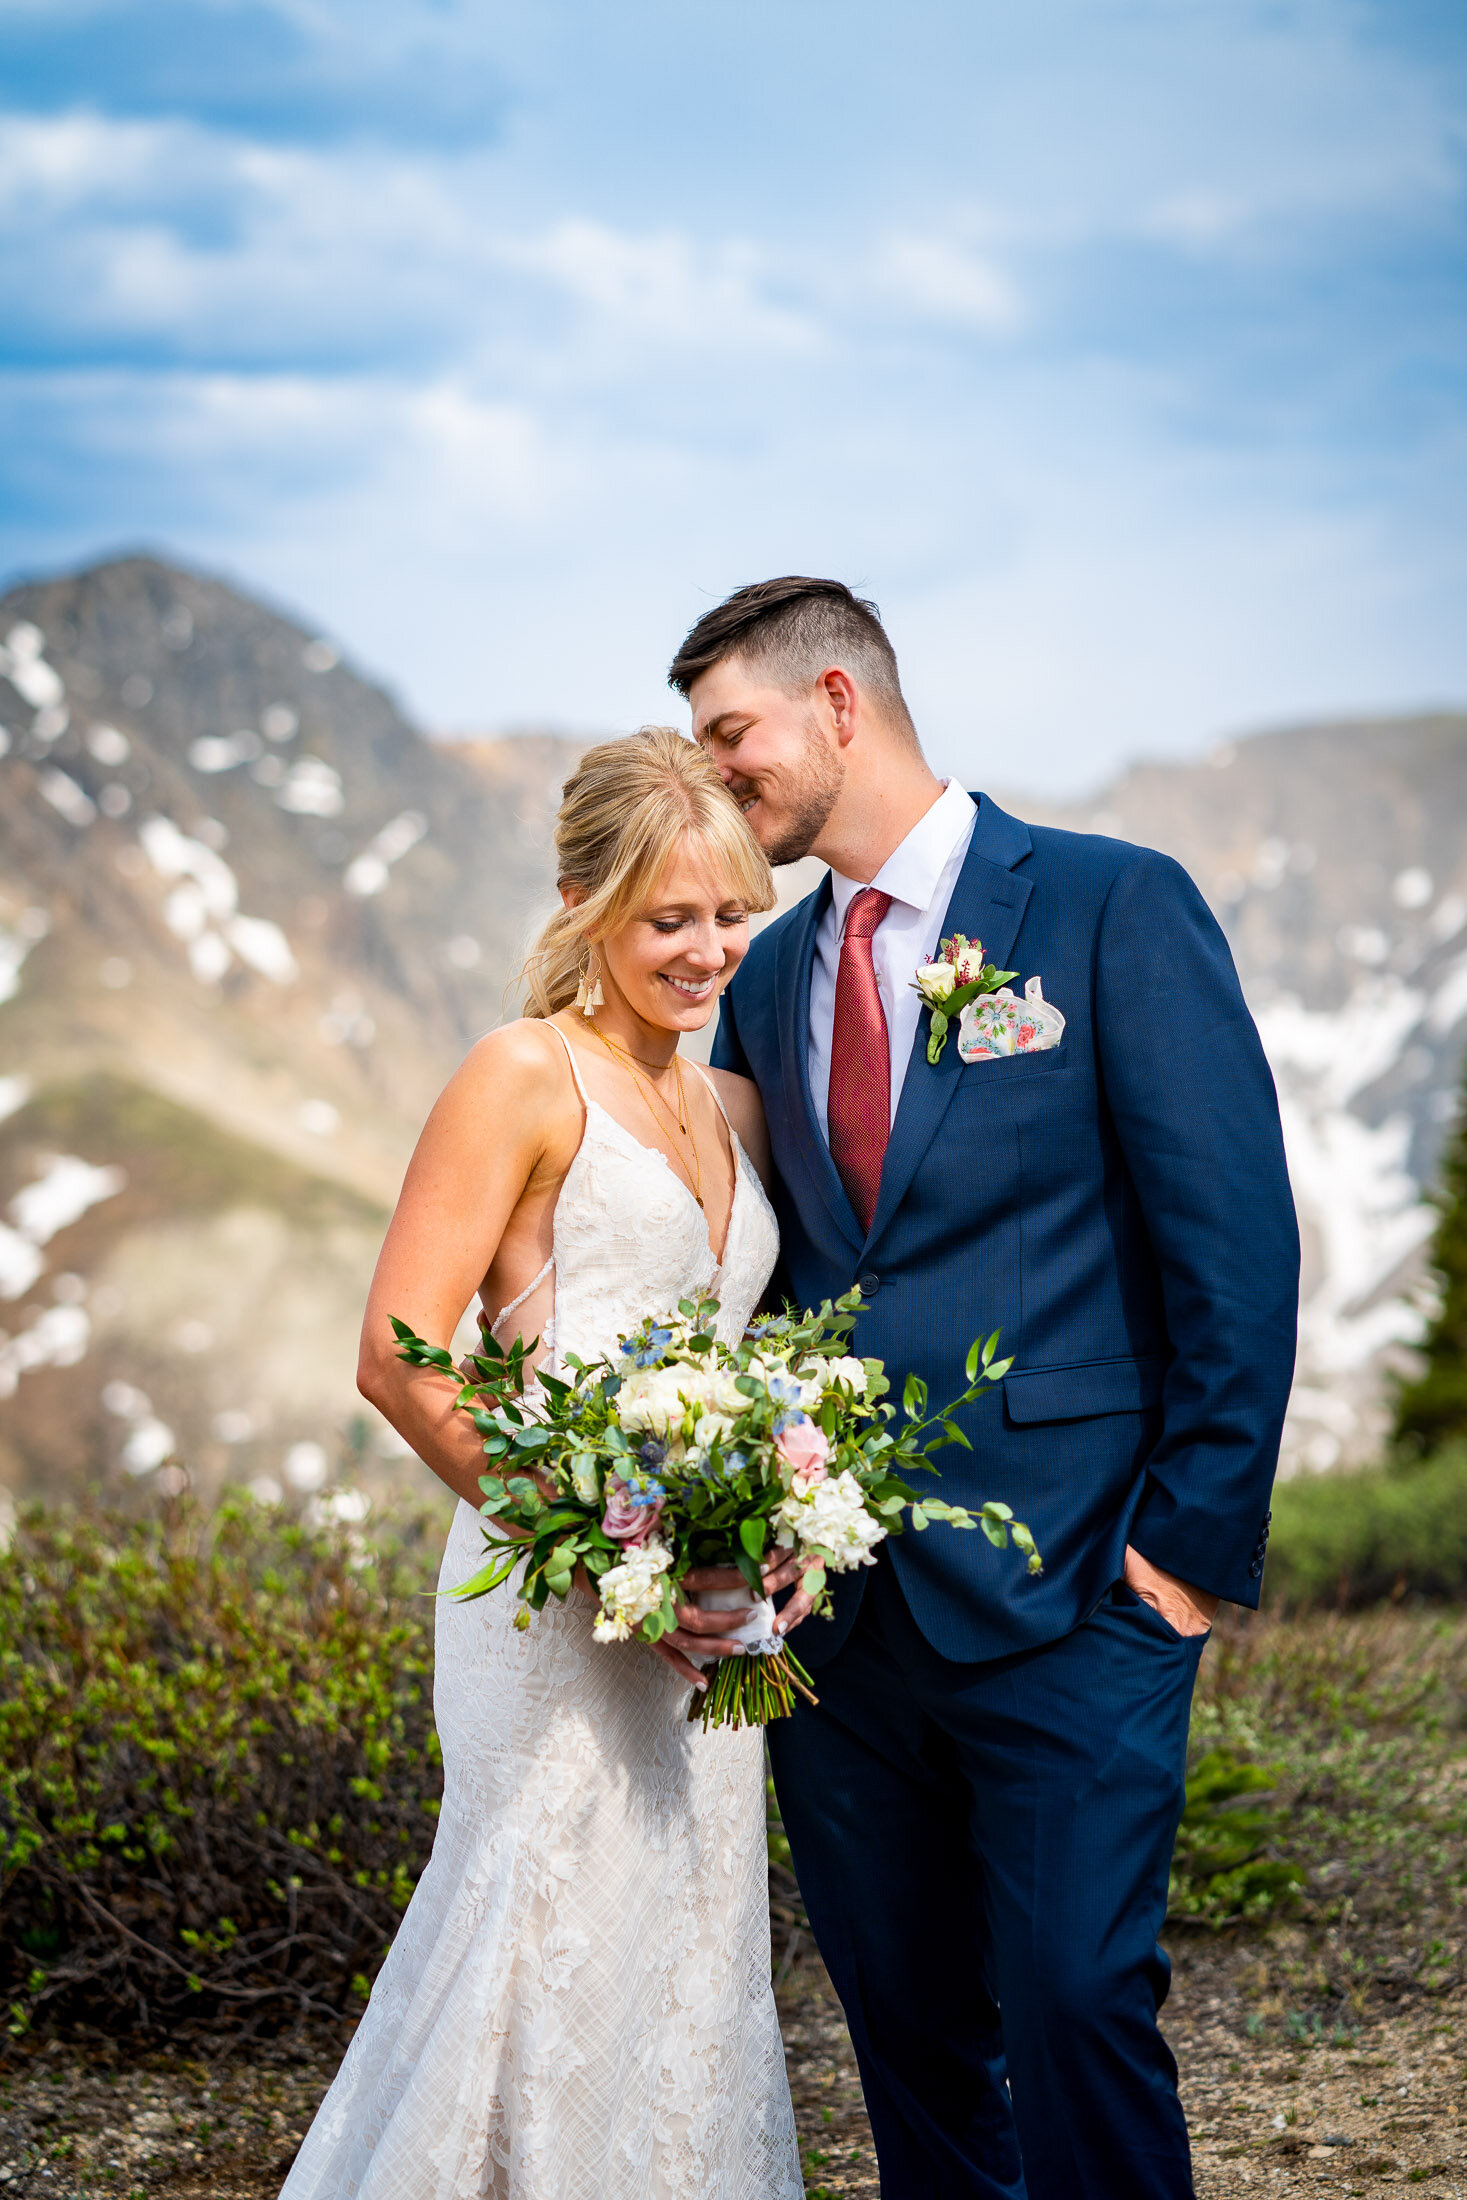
x,y
1117,1206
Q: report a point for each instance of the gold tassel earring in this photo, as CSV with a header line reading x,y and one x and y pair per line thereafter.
x,y
589,996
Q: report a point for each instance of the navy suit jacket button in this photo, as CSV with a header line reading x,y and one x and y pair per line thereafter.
x,y
868,1285
1256,1569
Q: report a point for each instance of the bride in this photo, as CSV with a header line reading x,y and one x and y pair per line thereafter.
x,y
577,2003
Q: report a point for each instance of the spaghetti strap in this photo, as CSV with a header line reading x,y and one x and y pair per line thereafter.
x,y
570,1053
717,1097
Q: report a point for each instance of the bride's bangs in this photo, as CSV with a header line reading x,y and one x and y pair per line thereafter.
x,y
627,810
721,839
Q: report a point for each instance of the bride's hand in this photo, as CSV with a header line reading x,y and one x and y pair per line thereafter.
x,y
779,1573
703,1634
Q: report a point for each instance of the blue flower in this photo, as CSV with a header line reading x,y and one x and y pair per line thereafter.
x,y
785,1389
782,1421
652,1452
645,1347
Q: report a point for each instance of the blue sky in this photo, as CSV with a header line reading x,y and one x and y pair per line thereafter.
x,y
1118,347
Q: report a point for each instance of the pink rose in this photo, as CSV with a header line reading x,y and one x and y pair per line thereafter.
x,y
804,1450
624,1520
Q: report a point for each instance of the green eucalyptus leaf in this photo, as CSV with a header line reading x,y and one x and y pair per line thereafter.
x,y
488,1577
749,1568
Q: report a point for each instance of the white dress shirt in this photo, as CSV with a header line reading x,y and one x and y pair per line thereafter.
x,y
919,876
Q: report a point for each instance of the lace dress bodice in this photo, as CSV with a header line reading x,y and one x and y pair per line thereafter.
x,y
630,1240
577,2005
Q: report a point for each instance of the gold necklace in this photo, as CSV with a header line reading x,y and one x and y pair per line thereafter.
x,y
680,1121
625,1056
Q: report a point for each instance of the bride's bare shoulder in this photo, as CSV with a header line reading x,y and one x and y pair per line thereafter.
x,y
520,1070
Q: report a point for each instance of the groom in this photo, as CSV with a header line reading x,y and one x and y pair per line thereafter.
x,y
982,1808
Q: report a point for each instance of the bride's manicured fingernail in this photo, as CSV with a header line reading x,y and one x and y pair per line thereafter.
x,y
780,1625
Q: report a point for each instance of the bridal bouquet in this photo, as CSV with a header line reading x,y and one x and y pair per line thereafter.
x,y
683,1452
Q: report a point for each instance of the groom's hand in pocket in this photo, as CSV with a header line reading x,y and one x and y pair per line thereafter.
x,y
1190,1611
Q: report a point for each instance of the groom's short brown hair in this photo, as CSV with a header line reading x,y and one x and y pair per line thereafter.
x,y
794,628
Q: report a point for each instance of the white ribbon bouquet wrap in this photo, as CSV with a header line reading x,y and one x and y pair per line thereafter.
x,y
1000,1023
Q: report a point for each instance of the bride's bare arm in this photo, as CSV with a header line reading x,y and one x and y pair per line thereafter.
x,y
740,1096
507,1118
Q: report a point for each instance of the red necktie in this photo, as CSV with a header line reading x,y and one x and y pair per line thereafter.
x,y
858,1111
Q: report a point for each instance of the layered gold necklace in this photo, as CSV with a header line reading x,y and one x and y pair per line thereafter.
x,y
679,1121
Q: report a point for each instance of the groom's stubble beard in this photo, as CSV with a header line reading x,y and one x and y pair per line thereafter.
x,y
807,799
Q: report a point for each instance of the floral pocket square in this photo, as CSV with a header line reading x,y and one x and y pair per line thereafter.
x,y
999,1023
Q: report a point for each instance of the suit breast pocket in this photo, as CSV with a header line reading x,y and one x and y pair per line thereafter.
x,y
1017,1083
1004,1069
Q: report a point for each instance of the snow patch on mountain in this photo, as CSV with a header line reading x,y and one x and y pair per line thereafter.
x,y
203,909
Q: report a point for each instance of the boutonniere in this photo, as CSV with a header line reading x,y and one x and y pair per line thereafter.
x,y
947,985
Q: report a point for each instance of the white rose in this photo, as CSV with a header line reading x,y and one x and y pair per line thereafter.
x,y
820,1375
652,1399
724,1396
935,981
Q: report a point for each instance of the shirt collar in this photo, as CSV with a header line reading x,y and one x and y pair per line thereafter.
x,y
912,871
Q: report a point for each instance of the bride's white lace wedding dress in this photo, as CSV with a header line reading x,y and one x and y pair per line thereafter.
x,y
577,2003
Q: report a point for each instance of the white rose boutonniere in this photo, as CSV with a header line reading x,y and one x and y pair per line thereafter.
x,y
958,976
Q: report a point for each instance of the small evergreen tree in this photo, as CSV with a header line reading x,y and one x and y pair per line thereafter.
x,y
1432,1410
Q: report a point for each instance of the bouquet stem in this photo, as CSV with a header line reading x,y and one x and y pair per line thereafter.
x,y
752,1690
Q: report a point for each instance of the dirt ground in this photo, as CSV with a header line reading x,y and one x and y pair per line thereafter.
x,y
1276,2105
1268,2114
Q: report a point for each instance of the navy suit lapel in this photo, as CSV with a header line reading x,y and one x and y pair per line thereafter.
x,y
988,904
792,990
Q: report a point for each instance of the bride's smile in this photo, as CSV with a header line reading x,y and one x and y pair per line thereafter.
x,y
662,972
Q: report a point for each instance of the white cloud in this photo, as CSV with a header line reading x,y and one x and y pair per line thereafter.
x,y
460,403
940,279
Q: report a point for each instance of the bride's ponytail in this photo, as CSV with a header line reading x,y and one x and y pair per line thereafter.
x,y
625,808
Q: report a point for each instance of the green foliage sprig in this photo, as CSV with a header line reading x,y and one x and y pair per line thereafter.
x,y
711,1465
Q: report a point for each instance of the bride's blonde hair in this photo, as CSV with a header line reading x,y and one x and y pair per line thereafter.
x,y
624,811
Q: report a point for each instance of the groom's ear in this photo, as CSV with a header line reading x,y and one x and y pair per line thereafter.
x,y
840,702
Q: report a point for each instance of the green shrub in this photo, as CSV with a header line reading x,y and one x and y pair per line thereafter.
x,y
1227,1866
218,1771
1431,1410
1355,1539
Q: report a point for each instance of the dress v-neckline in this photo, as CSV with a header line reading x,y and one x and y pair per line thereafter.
x,y
656,1154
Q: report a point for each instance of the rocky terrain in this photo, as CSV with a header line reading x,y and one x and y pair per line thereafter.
x,y
1336,859
250,918
249,921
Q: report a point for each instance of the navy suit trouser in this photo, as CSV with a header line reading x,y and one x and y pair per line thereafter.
x,y
983,1851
